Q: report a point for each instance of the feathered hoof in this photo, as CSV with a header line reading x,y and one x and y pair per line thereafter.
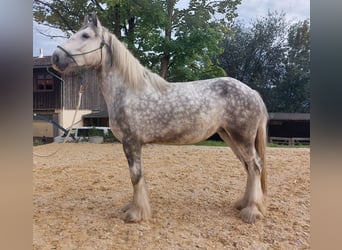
x,y
133,214
241,204
250,214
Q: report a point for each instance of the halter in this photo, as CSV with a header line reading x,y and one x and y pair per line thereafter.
x,y
102,44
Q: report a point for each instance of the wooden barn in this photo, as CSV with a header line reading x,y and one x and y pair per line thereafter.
x,y
55,100
289,128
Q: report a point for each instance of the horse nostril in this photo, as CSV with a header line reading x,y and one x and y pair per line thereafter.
x,y
55,59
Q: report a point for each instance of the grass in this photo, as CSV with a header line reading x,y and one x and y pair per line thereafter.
x,y
39,143
211,143
223,144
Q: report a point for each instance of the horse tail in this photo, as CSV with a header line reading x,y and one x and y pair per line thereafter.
x,y
260,145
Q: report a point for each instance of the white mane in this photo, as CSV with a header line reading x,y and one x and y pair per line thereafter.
x,y
133,73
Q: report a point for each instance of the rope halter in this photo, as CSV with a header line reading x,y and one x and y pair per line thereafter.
x,y
102,44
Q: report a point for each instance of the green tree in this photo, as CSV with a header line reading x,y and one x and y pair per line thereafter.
x,y
65,15
272,57
293,92
179,44
192,39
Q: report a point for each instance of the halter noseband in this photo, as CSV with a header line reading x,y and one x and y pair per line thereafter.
x,y
102,44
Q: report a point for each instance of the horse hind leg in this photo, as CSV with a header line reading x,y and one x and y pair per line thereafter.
x,y
251,205
243,202
139,209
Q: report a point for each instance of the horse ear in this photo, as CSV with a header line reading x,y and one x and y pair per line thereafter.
x,y
86,20
94,19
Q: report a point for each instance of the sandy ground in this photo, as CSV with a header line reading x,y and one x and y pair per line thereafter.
x,y
79,193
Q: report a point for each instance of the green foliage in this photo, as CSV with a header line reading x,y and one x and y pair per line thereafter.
x,y
179,44
67,15
272,57
109,137
293,91
39,143
96,132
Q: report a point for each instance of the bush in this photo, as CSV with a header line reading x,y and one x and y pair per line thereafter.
x,y
109,137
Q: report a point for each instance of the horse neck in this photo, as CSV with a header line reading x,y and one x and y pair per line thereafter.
x,y
126,69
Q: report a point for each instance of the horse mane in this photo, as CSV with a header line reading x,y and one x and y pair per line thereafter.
x,y
135,75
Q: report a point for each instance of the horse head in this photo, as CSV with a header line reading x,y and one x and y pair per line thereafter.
x,y
82,49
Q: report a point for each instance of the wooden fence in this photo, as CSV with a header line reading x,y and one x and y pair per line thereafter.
x,y
290,141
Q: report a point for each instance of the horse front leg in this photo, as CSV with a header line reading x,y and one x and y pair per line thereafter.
x,y
139,209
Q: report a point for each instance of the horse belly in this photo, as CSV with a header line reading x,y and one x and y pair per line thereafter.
x,y
181,132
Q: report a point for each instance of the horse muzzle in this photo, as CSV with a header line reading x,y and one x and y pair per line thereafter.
x,y
58,62
61,62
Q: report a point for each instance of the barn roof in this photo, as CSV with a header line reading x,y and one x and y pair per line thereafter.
x,y
289,116
42,62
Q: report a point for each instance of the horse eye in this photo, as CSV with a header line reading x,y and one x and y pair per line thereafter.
x,y
85,36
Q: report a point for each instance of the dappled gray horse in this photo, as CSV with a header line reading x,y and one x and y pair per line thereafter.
x,y
144,108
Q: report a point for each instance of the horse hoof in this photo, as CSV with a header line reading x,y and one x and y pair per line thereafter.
x,y
250,214
133,213
130,217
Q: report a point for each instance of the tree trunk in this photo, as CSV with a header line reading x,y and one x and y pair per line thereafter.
x,y
117,24
130,32
164,64
165,60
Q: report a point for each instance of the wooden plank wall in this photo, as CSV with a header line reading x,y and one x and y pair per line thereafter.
x,y
92,97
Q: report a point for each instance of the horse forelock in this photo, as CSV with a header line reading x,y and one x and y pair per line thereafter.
x,y
135,75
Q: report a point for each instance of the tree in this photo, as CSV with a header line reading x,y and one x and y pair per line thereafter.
x,y
179,44
293,91
272,57
65,15
192,39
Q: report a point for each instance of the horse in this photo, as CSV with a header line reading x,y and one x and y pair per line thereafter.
x,y
144,108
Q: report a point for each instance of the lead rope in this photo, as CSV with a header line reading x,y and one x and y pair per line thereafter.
x,y
81,91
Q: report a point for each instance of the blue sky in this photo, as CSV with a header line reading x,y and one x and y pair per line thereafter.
x,y
249,10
